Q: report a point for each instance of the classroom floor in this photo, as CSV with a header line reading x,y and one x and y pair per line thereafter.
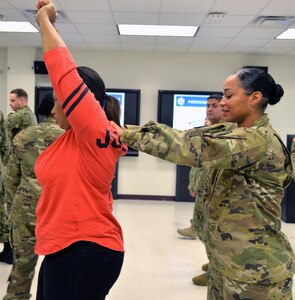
x,y
159,264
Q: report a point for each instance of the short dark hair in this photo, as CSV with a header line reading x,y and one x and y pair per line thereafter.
x,y
20,93
215,96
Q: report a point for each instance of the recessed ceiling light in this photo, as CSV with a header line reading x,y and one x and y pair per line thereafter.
x,y
288,34
17,27
157,30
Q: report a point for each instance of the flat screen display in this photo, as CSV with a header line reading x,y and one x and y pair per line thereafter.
x,y
183,109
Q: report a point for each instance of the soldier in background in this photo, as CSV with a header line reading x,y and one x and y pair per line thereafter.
x,y
4,152
23,190
21,118
214,116
250,257
196,187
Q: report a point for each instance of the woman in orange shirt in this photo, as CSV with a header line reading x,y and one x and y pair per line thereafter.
x,y
76,230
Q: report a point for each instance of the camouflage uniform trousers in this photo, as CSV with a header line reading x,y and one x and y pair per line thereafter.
x,y
198,217
23,240
4,227
224,288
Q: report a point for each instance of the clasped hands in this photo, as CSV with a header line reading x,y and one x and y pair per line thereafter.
x,y
48,8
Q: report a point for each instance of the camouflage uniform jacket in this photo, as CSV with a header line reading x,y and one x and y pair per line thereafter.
x,y
20,181
251,169
196,179
197,176
19,120
4,153
4,141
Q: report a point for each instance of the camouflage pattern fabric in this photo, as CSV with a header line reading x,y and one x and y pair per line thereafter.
x,y
4,151
23,190
198,178
251,168
220,287
19,120
15,122
199,182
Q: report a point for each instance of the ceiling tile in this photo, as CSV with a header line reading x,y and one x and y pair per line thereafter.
x,y
187,6
135,5
182,19
224,32
279,8
85,5
136,18
249,7
89,17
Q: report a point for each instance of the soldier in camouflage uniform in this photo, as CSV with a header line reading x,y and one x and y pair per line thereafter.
x,y
21,118
4,151
24,189
214,115
250,257
197,178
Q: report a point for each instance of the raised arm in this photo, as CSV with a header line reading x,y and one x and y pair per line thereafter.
x,y
46,17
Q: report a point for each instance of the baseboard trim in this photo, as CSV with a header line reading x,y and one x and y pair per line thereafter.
x,y
145,197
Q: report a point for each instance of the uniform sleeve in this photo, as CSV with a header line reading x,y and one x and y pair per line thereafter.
x,y
196,179
238,148
4,142
12,175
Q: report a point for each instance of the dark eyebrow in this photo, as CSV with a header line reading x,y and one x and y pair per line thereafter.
x,y
226,90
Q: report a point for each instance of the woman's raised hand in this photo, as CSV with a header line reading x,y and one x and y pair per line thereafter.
x,y
46,7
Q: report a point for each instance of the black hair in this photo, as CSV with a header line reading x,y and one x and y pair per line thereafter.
x,y
254,79
95,83
46,105
215,96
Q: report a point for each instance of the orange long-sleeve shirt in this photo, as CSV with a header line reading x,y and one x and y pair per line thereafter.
x,y
77,170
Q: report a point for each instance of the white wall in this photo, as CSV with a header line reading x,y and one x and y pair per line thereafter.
x,y
149,72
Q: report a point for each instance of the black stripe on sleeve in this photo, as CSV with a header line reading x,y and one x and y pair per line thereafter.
x,y
72,107
72,95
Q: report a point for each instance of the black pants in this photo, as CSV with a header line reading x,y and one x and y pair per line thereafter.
x,y
82,271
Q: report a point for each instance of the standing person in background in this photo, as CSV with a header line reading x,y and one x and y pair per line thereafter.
x,y
76,230
197,179
21,118
6,254
250,257
214,116
23,190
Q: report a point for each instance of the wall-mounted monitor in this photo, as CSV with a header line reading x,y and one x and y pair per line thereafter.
x,y
129,100
183,109
130,106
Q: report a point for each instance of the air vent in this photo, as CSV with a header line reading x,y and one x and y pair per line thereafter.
x,y
215,17
274,21
30,15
